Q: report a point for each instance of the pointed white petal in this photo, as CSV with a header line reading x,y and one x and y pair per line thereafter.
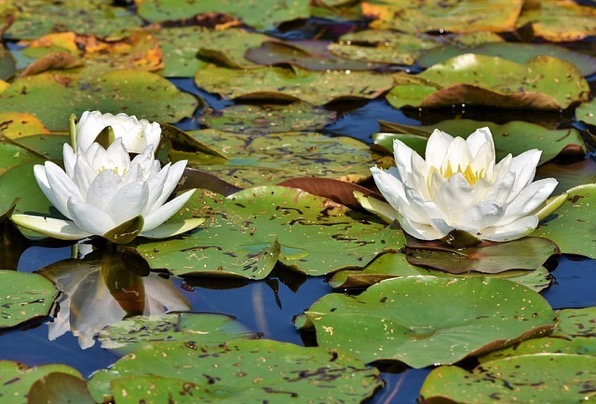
x,y
524,167
436,148
481,138
166,211
129,201
52,227
89,218
529,199
62,187
458,155
512,231
390,186
103,188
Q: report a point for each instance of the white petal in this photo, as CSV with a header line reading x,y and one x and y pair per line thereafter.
x,y
103,188
390,186
88,127
39,172
62,187
481,137
89,218
478,216
56,228
402,154
500,190
129,201
70,159
436,148
458,155
162,214
422,231
454,196
529,199
512,231
174,173
524,167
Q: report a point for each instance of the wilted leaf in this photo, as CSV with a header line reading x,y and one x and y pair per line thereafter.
x,y
425,320
438,15
543,83
559,20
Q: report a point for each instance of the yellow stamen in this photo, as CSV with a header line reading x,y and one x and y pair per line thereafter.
x,y
470,176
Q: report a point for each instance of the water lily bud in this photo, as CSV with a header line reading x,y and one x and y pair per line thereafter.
x,y
459,187
94,126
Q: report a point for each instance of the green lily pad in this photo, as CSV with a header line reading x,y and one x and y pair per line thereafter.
x,y
254,160
307,54
573,334
140,93
569,175
436,15
7,64
559,20
262,118
133,333
185,49
49,145
573,225
16,379
513,137
242,371
383,46
542,83
527,253
527,378
396,265
515,51
36,18
260,15
23,296
12,155
243,234
284,84
58,387
425,320
586,112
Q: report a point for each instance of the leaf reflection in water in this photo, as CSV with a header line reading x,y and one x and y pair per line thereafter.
x,y
104,288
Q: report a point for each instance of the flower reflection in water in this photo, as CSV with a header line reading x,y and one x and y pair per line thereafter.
x,y
105,288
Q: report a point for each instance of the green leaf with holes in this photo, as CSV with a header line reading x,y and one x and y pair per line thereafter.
x,y
248,232
576,217
24,296
260,15
553,378
136,332
542,83
291,84
255,160
425,320
396,265
138,93
239,371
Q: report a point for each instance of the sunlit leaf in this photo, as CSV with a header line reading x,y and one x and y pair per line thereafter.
x,y
528,378
16,378
559,20
573,225
396,265
425,320
140,93
18,124
543,83
513,137
36,18
515,51
23,296
255,160
263,118
135,332
437,15
261,15
244,371
244,233
283,84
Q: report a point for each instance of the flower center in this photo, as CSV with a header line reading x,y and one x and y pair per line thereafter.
x,y
471,176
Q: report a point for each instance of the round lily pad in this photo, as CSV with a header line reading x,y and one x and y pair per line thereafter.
x,y
553,378
240,371
425,320
134,332
24,296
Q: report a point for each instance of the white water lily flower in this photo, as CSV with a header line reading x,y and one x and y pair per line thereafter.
x,y
135,134
459,187
101,189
